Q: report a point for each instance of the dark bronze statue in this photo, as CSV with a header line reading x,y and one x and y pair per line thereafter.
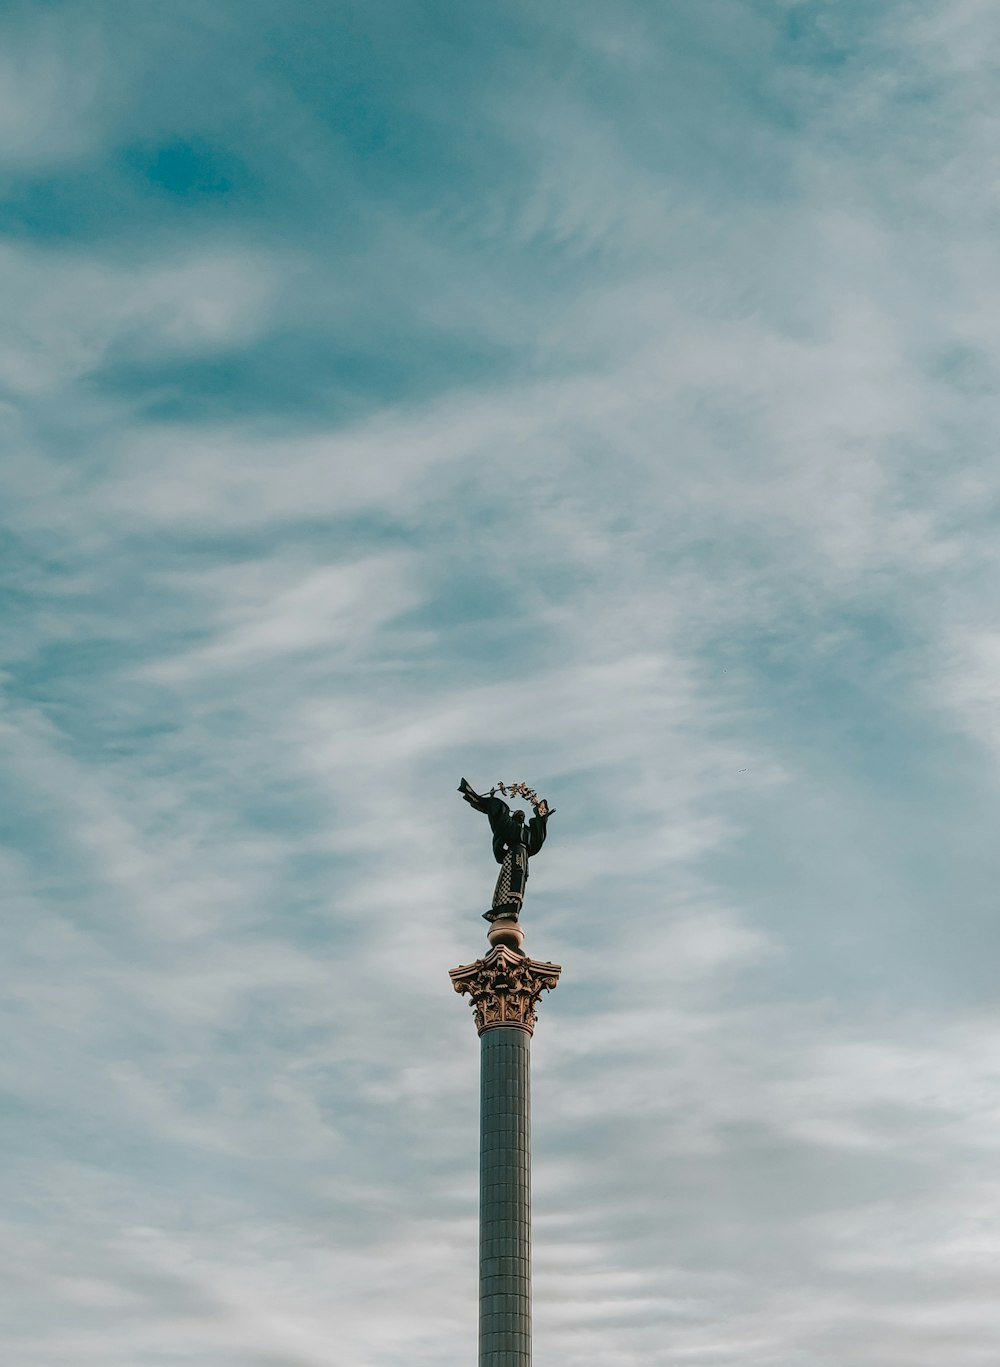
x,y
514,841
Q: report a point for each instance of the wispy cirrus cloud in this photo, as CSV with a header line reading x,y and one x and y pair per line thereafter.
x,y
605,401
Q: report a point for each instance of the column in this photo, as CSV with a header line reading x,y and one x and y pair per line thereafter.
x,y
505,1199
505,988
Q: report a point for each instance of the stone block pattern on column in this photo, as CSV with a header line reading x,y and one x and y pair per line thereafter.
x,y
505,1200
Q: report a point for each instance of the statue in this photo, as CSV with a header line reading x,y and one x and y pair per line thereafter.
x,y
514,842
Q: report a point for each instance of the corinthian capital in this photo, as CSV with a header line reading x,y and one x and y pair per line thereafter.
x,y
505,988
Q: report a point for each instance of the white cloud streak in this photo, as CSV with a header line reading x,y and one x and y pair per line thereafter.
x,y
678,562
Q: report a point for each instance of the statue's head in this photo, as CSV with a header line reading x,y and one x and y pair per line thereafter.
x,y
518,815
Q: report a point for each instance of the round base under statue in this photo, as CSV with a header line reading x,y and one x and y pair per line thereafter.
x,y
507,933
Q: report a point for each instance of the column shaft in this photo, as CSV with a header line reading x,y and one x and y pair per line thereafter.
x,y
505,1199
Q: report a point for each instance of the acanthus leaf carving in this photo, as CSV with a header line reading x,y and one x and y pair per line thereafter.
x,y
505,988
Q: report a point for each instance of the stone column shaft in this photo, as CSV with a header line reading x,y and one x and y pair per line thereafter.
x,y
505,1199
505,988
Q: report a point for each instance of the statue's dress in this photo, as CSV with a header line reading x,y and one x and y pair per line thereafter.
x,y
508,894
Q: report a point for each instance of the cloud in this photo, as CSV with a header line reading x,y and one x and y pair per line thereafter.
x,y
55,81
968,685
603,402
69,313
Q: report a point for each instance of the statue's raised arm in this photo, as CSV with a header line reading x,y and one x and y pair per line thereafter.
x,y
513,842
472,797
492,806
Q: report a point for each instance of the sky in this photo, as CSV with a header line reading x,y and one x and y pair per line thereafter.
x,y
602,397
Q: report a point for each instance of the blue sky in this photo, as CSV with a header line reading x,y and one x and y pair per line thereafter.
x,y
603,397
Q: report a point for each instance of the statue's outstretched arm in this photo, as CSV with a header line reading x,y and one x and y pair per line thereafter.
x,y
472,797
493,807
536,831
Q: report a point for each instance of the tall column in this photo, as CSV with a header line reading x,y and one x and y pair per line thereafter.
x,y
505,988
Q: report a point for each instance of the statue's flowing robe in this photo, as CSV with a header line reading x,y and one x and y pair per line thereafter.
x,y
513,843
